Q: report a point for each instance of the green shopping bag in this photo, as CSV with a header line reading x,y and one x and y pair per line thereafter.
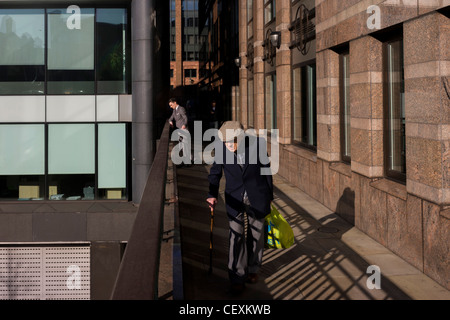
x,y
279,234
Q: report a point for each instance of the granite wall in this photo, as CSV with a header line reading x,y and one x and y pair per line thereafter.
x,y
411,218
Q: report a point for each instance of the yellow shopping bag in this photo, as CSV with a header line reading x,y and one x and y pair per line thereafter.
x,y
279,234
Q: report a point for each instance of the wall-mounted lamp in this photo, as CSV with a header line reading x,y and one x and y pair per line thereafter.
x,y
237,62
275,39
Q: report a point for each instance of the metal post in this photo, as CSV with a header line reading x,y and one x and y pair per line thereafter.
x,y
143,144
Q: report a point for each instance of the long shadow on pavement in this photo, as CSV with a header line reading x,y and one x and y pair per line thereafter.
x,y
319,266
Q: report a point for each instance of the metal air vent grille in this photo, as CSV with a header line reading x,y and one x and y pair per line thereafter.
x,y
40,273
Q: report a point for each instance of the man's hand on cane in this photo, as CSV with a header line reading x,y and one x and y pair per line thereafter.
x,y
212,202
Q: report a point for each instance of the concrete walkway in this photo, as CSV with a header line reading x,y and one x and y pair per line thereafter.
x,y
328,260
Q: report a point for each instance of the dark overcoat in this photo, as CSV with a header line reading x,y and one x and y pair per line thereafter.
x,y
247,177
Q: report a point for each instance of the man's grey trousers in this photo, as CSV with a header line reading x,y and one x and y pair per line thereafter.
x,y
246,248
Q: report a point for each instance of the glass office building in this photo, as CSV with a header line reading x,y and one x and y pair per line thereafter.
x,y
78,129
64,83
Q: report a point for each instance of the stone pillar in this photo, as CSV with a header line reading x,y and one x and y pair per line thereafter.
x,y
427,108
284,72
328,108
258,68
143,144
427,105
366,106
243,97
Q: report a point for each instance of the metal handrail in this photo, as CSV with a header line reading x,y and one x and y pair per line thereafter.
x,y
137,278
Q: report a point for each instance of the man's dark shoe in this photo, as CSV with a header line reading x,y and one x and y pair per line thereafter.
x,y
252,278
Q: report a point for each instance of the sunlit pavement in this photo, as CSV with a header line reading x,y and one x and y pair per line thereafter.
x,y
328,261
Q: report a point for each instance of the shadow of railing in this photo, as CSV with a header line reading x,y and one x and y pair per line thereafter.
x,y
137,278
319,266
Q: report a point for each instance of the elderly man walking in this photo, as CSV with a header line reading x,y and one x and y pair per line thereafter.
x,y
248,195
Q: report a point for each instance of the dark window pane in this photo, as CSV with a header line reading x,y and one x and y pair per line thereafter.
x,y
71,186
22,79
112,41
22,187
70,82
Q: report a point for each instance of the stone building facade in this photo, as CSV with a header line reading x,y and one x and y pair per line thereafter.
x,y
360,94
184,43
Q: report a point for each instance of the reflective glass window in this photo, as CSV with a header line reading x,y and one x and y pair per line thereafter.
x,y
269,10
22,51
22,149
251,111
22,161
345,107
271,101
304,106
70,62
71,148
395,111
70,39
112,160
71,161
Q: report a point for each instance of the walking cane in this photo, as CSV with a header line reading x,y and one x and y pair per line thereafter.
x,y
211,241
